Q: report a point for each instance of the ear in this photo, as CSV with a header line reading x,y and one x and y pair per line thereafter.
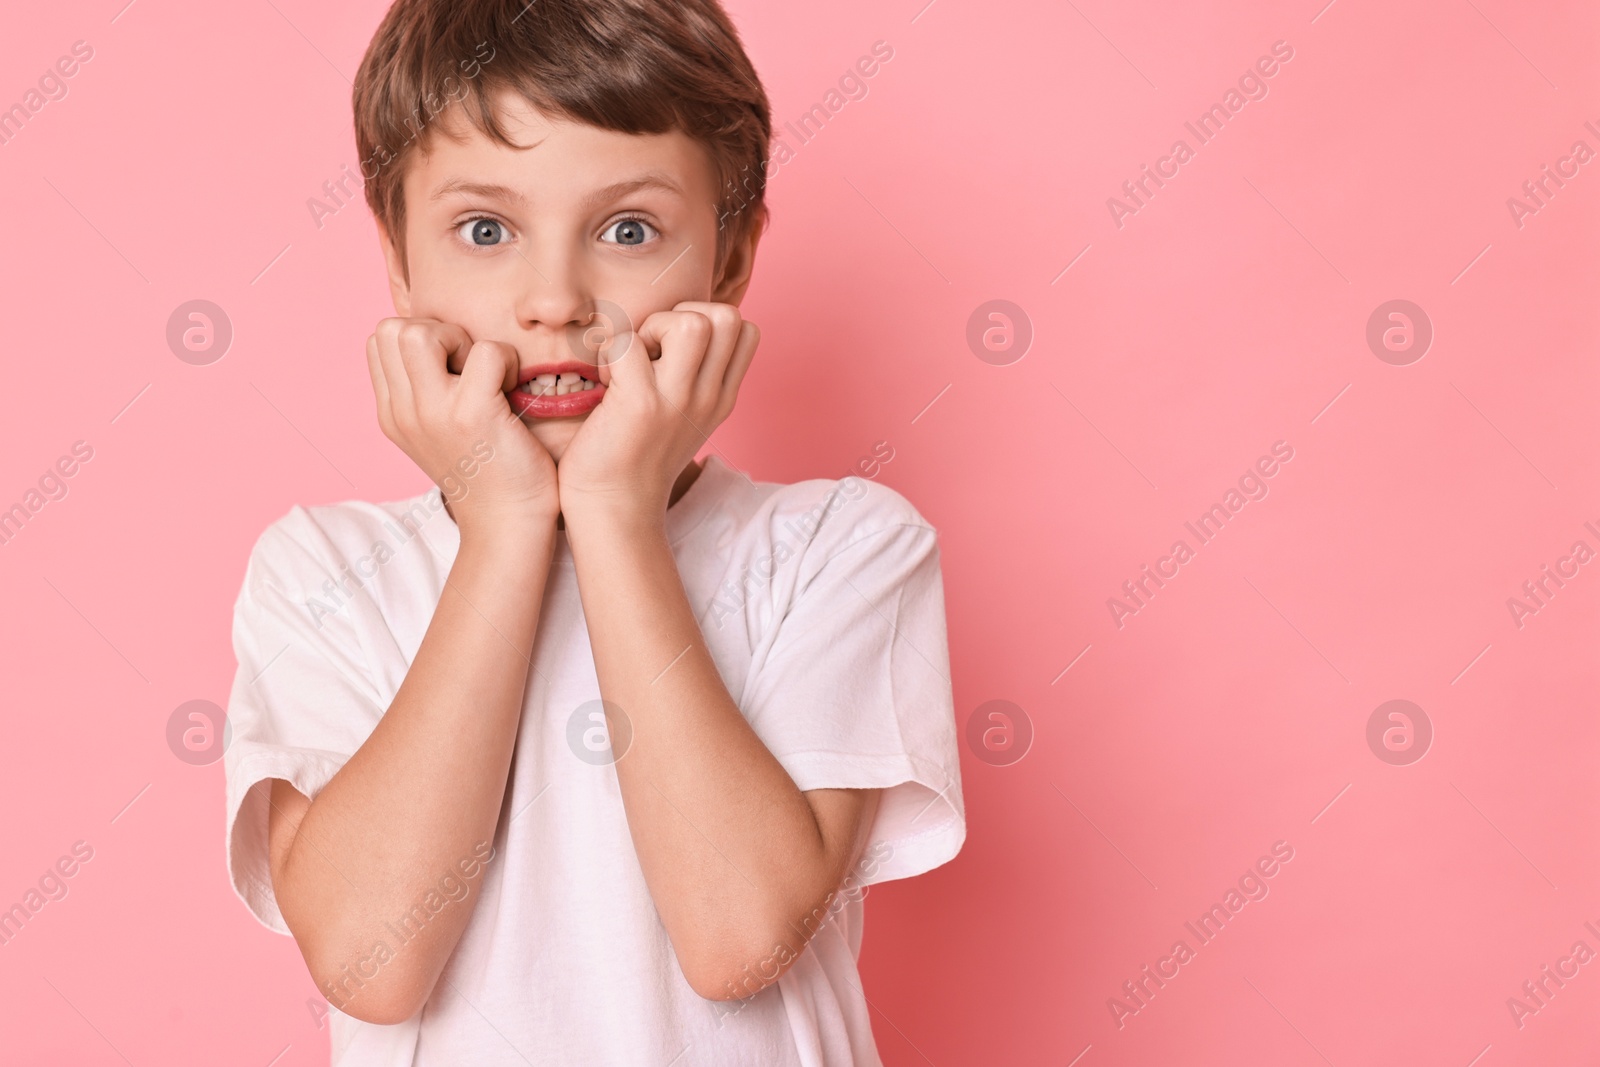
x,y
741,262
399,283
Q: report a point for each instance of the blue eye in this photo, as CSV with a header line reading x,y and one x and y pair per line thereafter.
x,y
482,232
629,231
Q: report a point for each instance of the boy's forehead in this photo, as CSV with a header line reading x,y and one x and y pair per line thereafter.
x,y
561,158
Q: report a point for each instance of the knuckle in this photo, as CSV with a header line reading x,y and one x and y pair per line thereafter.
x,y
489,352
413,336
388,330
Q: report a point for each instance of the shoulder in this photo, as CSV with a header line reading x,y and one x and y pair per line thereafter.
x,y
818,518
303,548
850,503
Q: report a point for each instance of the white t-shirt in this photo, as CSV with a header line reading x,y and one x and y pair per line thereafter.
x,y
822,604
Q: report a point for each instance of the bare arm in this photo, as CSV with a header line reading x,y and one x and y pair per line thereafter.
x,y
419,800
741,863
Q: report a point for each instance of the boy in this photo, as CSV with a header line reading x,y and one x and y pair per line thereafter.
x,y
584,755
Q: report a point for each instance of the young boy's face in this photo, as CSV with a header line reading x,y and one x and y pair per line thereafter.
x,y
542,247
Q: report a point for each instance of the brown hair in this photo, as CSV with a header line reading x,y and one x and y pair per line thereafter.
x,y
633,66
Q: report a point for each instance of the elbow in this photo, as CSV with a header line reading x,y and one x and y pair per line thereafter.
x,y
354,968
721,986
374,988
740,974
716,986
379,1009
377,1012
382,1003
749,957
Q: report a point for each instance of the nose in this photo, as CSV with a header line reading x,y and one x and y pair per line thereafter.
x,y
553,292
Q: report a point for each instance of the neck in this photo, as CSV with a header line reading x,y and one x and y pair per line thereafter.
x,y
686,478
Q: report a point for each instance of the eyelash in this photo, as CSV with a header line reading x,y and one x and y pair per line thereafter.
x,y
631,218
464,223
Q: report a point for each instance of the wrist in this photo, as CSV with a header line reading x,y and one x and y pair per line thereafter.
x,y
512,533
630,509
584,518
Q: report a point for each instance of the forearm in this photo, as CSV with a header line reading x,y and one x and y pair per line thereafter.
x,y
425,789
726,841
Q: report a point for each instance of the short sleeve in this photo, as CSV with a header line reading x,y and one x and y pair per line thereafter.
x,y
854,693
302,699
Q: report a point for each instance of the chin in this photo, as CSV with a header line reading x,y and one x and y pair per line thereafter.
x,y
554,434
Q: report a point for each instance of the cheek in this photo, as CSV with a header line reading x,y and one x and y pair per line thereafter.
x,y
469,298
662,281
641,297
476,309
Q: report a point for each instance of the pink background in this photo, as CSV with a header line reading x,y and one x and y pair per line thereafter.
x,y
1228,313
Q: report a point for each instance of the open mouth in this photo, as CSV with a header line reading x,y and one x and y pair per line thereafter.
x,y
558,385
553,396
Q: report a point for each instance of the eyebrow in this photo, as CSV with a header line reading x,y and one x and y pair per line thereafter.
x,y
505,193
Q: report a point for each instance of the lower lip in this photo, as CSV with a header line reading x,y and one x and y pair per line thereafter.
x,y
552,407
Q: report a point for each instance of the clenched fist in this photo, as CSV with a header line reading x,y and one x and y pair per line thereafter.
x,y
441,397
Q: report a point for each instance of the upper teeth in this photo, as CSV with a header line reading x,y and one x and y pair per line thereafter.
x,y
556,384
